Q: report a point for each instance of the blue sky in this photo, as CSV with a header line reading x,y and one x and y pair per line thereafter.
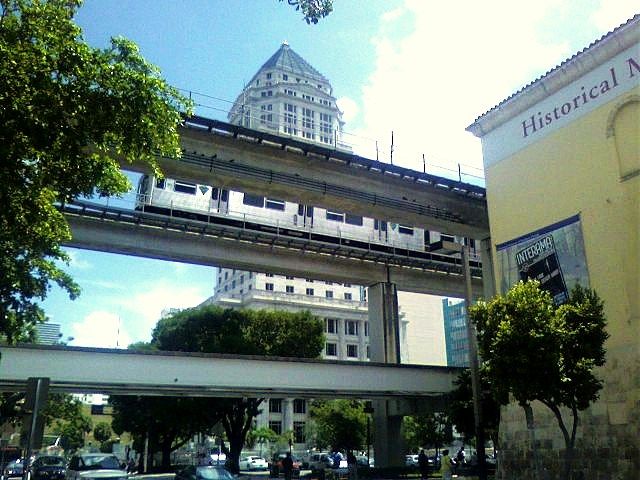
x,y
424,70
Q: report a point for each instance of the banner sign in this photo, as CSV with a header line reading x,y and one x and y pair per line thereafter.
x,y
553,255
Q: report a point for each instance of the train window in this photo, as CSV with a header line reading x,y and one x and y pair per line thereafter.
x,y
328,293
447,238
289,289
380,225
348,296
268,286
224,195
274,204
353,219
309,291
160,183
214,194
183,187
406,230
253,200
300,209
335,216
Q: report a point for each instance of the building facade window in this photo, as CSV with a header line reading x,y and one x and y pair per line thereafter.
x,y
299,405
351,327
298,432
331,325
352,350
275,405
276,426
331,350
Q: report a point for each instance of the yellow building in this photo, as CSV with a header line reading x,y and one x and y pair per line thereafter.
x,y
562,164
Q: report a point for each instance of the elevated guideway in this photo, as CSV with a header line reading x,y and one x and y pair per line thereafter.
x,y
130,232
229,156
109,371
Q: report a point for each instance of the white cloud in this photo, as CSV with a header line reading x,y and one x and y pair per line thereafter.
x,y
100,329
348,107
144,306
456,63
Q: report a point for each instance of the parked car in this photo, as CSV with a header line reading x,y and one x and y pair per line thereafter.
x,y
47,467
14,468
319,461
275,468
411,460
363,461
253,462
103,466
207,472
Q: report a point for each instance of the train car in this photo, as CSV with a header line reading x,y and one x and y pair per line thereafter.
x,y
210,204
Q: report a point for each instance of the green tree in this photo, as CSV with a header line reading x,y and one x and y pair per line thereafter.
x,y
339,424
312,10
260,436
66,418
166,422
535,350
212,329
69,114
432,430
102,431
461,406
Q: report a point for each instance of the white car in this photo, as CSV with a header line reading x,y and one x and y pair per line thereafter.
x,y
253,462
102,466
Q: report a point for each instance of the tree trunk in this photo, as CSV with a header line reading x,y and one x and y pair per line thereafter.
x,y
166,453
528,411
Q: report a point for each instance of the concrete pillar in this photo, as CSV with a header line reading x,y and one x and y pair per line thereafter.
x,y
384,341
488,277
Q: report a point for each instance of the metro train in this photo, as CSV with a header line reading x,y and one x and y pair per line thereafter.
x,y
182,199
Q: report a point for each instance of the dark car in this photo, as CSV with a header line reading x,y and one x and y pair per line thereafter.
x,y
47,467
13,469
275,467
204,473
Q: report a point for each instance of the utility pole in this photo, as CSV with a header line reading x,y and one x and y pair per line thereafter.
x,y
474,367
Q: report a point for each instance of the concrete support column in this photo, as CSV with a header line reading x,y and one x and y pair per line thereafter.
x,y
488,277
287,414
384,342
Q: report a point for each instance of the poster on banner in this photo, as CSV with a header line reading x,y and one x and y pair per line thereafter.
x,y
553,255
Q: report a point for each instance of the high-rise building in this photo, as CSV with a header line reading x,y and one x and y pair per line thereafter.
x,y
48,333
287,96
455,333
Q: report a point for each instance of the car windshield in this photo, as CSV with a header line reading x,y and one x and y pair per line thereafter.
x,y
49,461
98,462
213,474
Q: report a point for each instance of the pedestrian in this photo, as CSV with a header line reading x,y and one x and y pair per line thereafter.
x,y
423,464
460,456
446,465
352,466
287,466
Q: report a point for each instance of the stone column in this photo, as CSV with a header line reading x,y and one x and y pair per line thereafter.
x,y
384,343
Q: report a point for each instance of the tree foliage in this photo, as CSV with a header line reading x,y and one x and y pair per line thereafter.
x,y
339,424
69,114
535,350
461,410
431,430
66,418
102,431
212,329
312,10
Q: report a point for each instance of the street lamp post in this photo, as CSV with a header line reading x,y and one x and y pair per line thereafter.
x,y
474,367
447,247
